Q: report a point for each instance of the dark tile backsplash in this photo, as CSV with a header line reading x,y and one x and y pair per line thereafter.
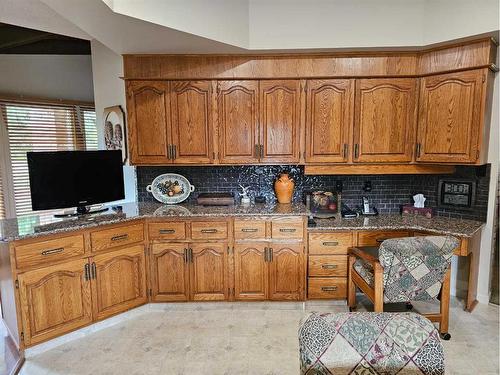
x,y
388,193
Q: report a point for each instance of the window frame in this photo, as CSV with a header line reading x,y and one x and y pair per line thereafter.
x,y
5,157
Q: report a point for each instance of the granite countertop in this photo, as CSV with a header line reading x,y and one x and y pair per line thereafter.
x,y
37,225
438,224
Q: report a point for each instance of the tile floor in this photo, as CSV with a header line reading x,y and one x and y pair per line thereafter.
x,y
237,338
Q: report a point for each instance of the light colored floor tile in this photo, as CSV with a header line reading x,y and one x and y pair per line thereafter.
x,y
239,338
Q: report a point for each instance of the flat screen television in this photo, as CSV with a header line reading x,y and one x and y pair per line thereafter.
x,y
64,179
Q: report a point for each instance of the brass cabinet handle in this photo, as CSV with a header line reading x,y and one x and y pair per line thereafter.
x,y
190,255
167,231
329,288
271,255
257,151
174,152
249,229
261,151
419,145
53,251
329,266
186,257
330,243
93,271
288,230
169,152
380,240
120,237
87,272
265,254
209,230
346,150
356,150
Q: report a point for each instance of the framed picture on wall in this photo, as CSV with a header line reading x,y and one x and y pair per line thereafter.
x,y
115,137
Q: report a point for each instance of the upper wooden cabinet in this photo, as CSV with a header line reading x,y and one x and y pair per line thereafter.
x,y
385,117
450,117
148,110
237,114
329,112
280,121
191,108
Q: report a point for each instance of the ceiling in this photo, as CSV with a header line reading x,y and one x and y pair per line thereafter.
x,y
21,40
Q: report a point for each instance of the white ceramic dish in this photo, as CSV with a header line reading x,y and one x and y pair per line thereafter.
x,y
170,188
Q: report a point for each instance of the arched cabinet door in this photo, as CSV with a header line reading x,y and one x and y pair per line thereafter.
x,y
286,271
148,125
208,271
54,300
329,116
280,123
450,117
237,116
191,108
169,272
385,119
250,271
119,281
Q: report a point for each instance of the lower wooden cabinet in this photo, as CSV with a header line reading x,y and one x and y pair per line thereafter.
x,y
119,281
268,270
169,272
61,298
189,271
250,271
55,300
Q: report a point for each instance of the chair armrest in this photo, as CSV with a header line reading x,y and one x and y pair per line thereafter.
x,y
360,253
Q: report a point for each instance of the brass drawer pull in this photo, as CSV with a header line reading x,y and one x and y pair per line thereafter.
x,y
209,231
93,271
249,230
53,251
120,237
329,266
167,231
331,243
87,272
329,288
288,230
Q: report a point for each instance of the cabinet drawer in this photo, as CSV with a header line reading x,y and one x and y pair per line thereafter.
x,y
375,238
327,288
43,252
287,228
118,236
335,243
174,230
244,229
327,265
208,230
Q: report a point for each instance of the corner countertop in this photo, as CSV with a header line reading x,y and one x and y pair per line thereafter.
x,y
438,224
39,225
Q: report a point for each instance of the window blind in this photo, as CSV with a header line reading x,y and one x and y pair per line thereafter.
x,y
43,127
2,206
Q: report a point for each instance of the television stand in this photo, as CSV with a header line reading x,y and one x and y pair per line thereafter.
x,y
81,211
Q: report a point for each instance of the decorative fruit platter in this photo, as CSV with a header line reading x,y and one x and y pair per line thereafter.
x,y
170,188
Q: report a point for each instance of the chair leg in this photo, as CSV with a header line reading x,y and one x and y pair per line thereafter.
x,y
379,288
444,306
351,287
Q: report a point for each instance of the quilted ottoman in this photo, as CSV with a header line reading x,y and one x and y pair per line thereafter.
x,y
369,343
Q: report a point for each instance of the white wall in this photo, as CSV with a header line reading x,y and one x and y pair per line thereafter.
x,y
109,90
222,20
486,254
47,76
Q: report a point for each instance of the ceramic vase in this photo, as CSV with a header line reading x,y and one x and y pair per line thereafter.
x,y
283,188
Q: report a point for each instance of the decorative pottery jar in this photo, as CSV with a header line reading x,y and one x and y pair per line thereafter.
x,y
283,188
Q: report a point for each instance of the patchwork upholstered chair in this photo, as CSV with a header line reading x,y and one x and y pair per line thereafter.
x,y
368,343
404,270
